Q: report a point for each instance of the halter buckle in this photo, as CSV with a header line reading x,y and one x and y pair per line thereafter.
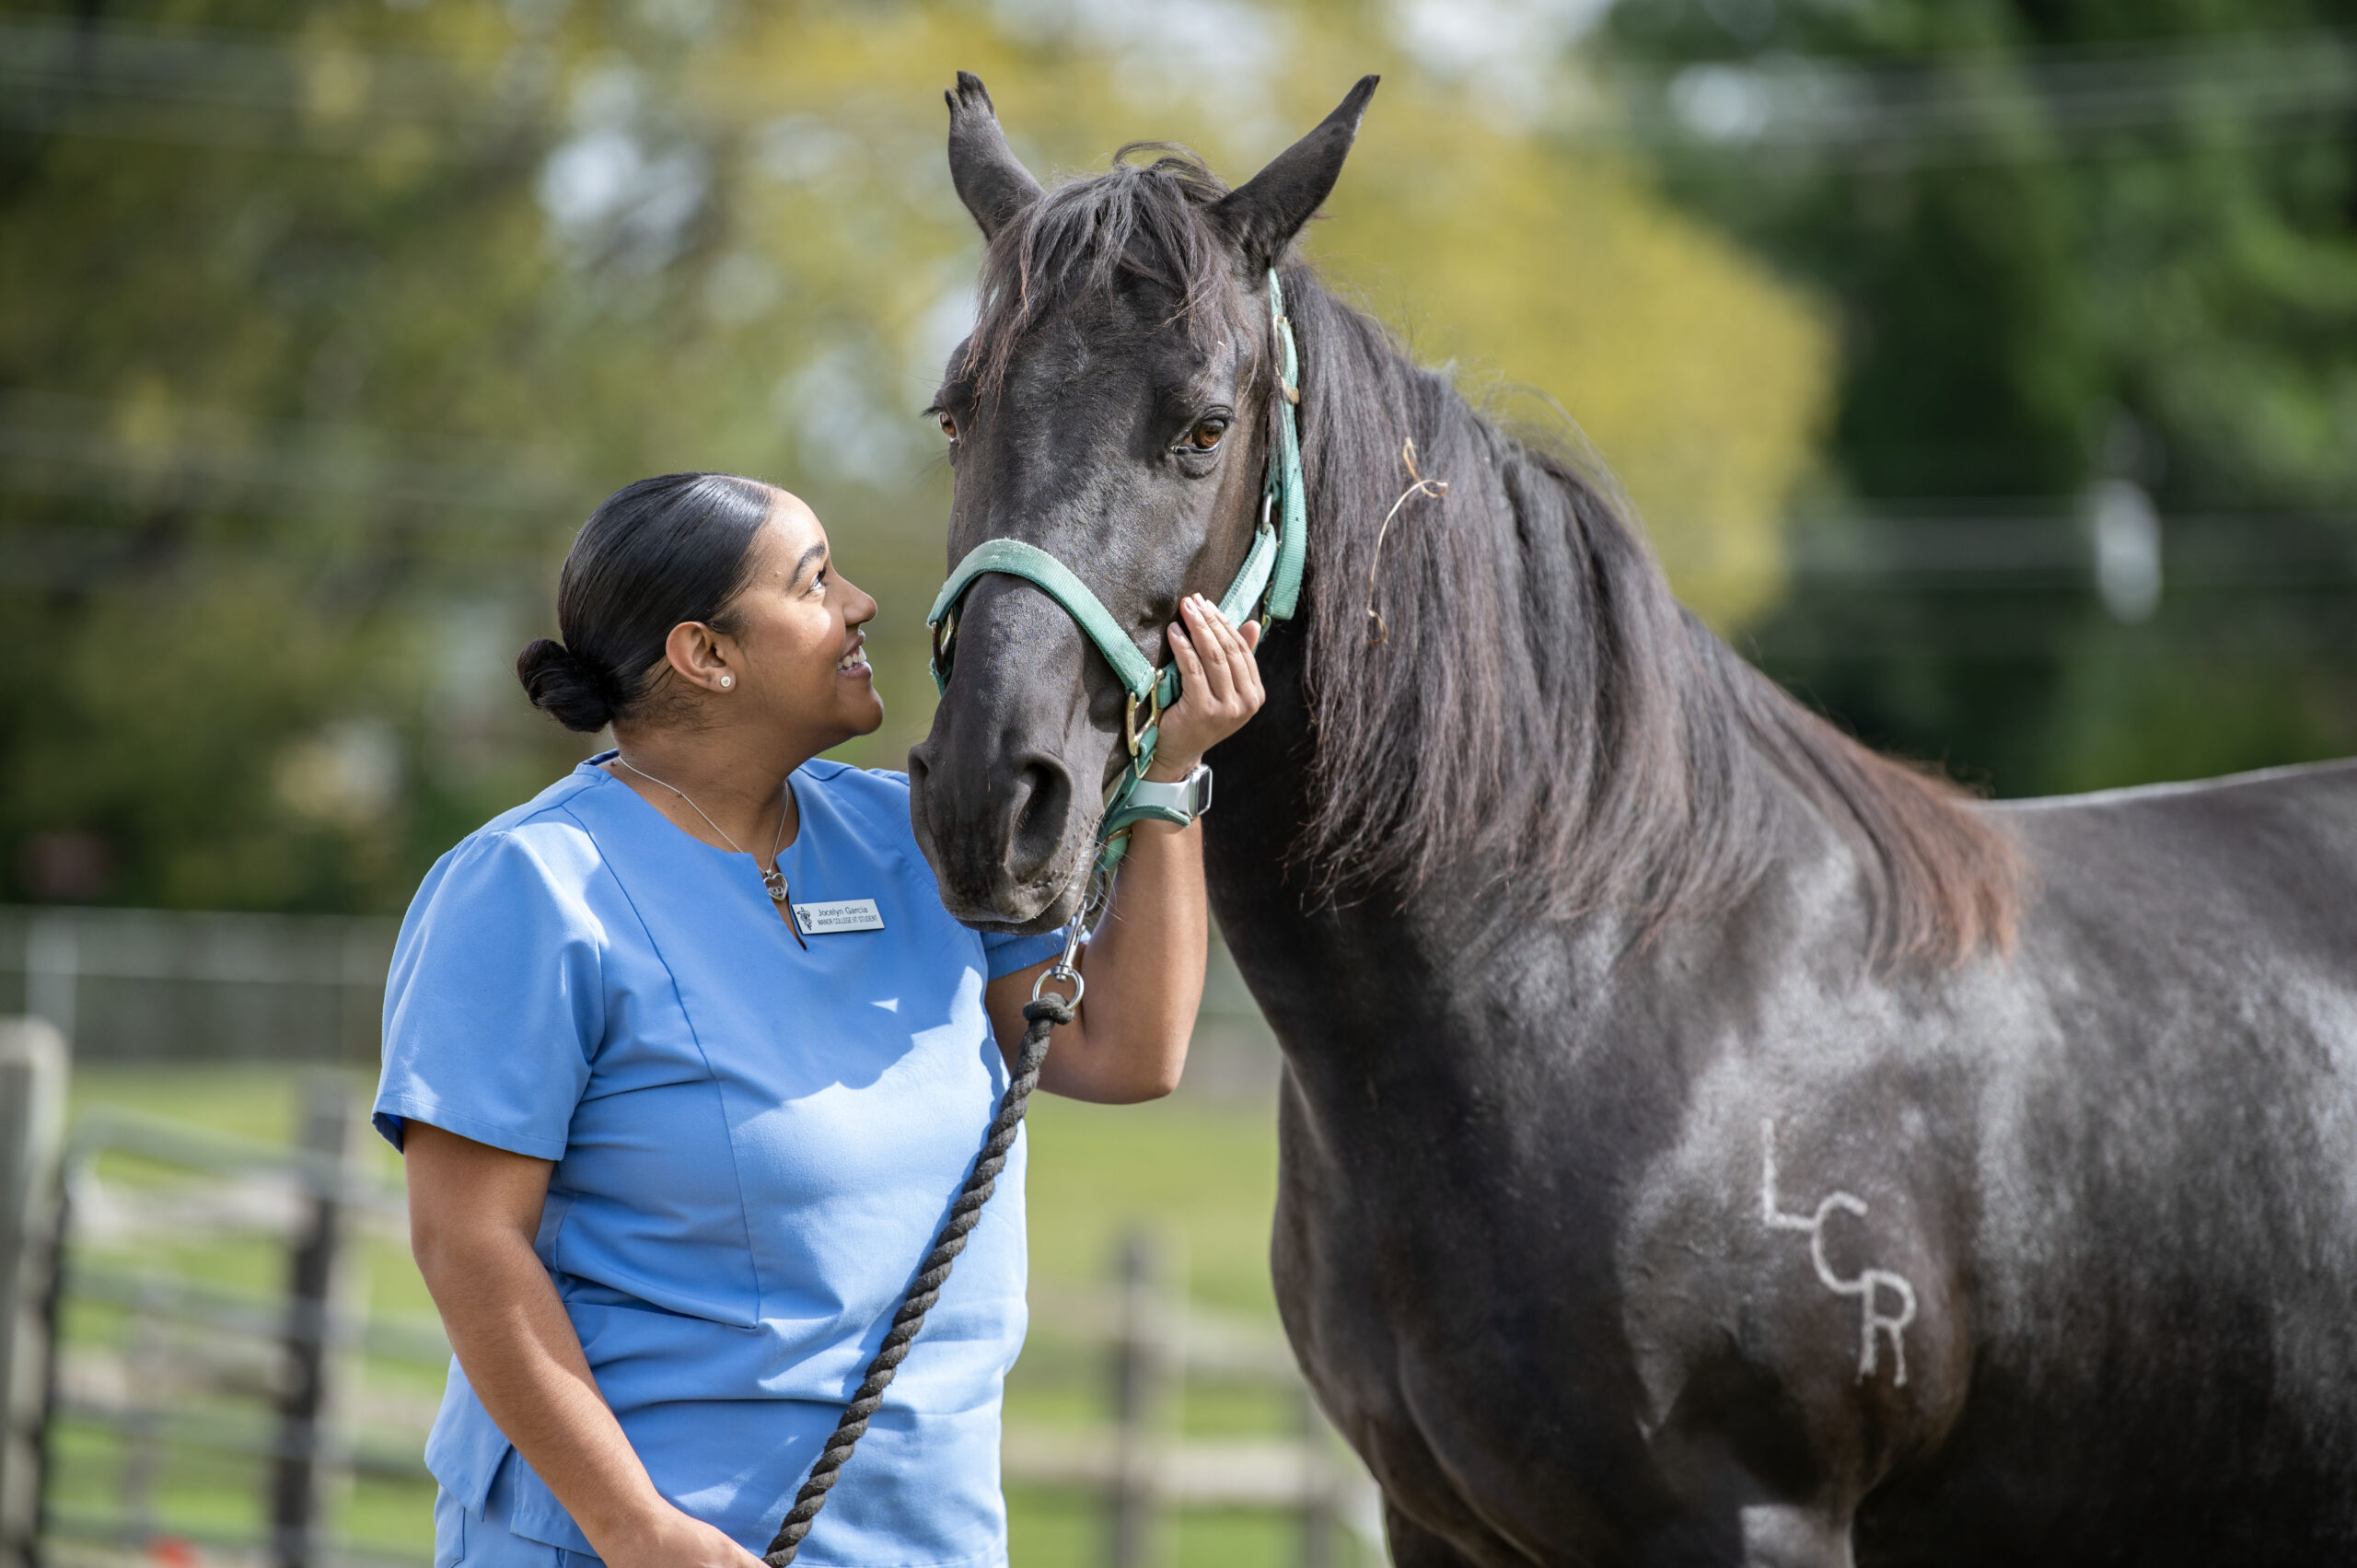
x,y
1131,729
943,632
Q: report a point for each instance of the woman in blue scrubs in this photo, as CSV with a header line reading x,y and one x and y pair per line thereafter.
x,y
687,1062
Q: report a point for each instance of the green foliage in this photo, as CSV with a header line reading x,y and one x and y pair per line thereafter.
x,y
2064,239
1557,273
322,326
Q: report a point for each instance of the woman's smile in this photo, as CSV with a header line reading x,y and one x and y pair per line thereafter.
x,y
853,664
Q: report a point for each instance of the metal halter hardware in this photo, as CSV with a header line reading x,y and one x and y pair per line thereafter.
x,y
1132,735
1267,585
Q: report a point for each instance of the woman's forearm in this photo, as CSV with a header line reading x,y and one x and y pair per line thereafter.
x,y
523,1360
1145,969
473,1211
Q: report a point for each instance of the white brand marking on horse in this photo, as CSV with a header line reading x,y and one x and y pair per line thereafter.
x,y
1869,1281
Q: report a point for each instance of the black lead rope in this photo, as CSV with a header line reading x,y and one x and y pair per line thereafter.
x,y
1043,1014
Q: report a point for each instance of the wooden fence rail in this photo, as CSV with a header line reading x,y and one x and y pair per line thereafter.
x,y
1156,1344
307,1389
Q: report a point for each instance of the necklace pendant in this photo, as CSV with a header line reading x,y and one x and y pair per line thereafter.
x,y
775,880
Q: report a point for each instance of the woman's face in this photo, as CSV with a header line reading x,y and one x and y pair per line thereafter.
x,y
796,626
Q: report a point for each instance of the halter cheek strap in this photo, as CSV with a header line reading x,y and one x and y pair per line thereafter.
x,y
1268,583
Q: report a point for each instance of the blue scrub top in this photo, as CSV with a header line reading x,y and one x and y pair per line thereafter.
x,y
754,1147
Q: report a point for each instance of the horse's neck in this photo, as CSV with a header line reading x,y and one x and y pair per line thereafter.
x,y
1335,973
1691,787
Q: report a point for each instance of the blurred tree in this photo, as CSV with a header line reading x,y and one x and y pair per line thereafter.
x,y
2067,242
1557,280
322,326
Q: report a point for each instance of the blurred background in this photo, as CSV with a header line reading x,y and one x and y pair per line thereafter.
x,y
1982,368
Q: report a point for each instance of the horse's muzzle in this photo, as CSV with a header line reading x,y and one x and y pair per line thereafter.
x,y
1006,842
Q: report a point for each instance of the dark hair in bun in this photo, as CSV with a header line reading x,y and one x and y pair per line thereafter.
x,y
655,553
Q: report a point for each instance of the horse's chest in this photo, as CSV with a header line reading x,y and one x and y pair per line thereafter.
x,y
1454,1307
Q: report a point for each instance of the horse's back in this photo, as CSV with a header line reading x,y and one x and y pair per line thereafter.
x,y
2277,847
2198,899
2193,949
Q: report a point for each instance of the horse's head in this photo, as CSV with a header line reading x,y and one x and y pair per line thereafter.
x,y
1111,409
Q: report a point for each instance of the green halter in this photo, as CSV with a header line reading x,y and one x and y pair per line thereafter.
x,y
1268,581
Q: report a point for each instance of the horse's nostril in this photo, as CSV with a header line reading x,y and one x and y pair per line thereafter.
x,y
1042,804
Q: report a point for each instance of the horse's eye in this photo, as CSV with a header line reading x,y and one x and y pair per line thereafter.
x,y
1205,435
950,427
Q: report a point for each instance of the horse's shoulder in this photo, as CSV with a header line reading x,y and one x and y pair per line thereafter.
x,y
1793,1263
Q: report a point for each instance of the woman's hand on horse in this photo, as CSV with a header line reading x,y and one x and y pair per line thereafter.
x,y
1219,687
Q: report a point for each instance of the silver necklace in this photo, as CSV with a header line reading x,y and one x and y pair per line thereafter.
x,y
773,879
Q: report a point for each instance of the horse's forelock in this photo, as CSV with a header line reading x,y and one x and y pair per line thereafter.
x,y
1145,220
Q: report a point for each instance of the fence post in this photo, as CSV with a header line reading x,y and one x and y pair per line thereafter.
x,y
52,970
146,1363
33,1066
1140,1380
328,1125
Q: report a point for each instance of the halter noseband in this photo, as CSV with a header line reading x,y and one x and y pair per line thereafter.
x,y
1268,583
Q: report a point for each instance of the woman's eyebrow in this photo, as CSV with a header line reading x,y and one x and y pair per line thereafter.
x,y
817,552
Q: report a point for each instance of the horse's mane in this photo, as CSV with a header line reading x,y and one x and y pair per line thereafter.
x,y
1537,700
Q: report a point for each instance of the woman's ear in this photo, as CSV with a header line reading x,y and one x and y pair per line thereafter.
x,y
701,657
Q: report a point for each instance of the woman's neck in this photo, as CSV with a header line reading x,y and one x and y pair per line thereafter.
x,y
712,785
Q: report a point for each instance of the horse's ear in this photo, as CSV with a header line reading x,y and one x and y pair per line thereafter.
x,y
1264,213
991,179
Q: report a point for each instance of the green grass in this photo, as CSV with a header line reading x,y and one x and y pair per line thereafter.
x,y
1198,1180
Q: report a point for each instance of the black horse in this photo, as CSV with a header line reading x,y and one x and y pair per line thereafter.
x,y
1704,1140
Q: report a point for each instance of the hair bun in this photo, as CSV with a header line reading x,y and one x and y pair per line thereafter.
x,y
674,548
561,684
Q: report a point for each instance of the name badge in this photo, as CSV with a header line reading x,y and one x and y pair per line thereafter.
x,y
843,914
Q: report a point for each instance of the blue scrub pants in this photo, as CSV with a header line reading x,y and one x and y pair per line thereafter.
x,y
468,1540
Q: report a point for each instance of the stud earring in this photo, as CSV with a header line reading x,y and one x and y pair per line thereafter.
x,y
726,682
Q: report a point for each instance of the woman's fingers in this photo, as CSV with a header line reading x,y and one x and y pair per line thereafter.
x,y
1219,681
1248,669
1182,651
1244,672
1206,625
1236,643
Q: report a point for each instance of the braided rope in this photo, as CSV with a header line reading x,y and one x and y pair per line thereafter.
x,y
1043,1015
